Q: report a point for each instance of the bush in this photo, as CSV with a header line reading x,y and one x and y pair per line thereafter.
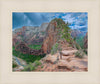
x,y
79,54
85,51
37,63
32,67
14,65
29,67
41,66
77,46
74,38
54,48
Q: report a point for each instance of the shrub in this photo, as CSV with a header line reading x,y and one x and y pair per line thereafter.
x,y
74,38
70,45
41,66
37,63
54,48
77,46
79,54
85,51
43,33
29,67
14,65
32,67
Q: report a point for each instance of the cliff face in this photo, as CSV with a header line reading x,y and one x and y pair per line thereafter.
x,y
86,41
51,37
76,33
29,35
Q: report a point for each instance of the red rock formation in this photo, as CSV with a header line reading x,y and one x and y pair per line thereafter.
x,y
86,41
51,37
26,50
48,41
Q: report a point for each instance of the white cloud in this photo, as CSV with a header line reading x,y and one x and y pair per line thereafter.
x,y
68,18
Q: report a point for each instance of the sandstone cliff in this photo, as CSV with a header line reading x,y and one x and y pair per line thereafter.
x,y
86,41
51,37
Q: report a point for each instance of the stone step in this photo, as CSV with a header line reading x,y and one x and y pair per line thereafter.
x,y
68,52
63,64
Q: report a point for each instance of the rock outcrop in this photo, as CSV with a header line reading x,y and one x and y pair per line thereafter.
x,y
22,47
86,41
68,52
70,63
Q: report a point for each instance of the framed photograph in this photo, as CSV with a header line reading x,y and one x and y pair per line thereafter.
x,y
55,42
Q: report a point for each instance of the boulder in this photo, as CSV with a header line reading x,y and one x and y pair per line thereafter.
x,y
53,59
63,64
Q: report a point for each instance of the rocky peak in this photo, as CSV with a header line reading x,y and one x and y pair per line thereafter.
x,y
44,26
51,35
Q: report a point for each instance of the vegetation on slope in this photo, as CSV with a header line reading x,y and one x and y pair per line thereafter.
x,y
36,47
64,32
27,57
32,66
79,54
29,67
54,48
14,65
80,41
63,29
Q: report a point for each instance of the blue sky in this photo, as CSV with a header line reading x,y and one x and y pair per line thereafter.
x,y
78,20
